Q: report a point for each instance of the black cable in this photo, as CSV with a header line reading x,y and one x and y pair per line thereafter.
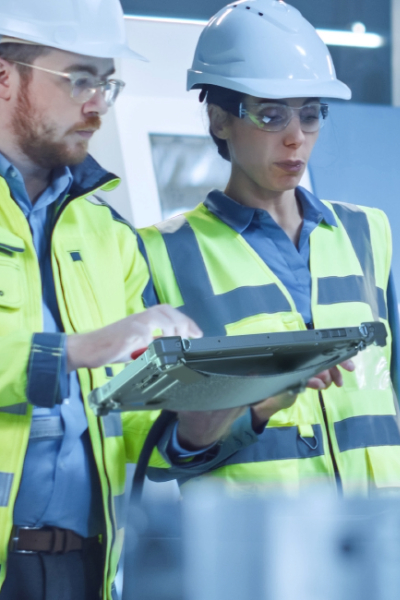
x,y
153,437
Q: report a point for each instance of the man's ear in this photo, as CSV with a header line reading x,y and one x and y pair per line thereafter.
x,y
5,79
220,121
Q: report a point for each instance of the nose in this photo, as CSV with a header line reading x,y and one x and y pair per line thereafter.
x,y
293,134
96,104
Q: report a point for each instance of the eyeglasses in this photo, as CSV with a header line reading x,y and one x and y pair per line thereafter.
x,y
84,85
271,116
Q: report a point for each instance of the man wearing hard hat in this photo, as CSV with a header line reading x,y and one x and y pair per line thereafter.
x,y
266,255
69,265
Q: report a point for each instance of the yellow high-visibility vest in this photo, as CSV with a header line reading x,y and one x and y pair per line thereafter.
x,y
348,435
99,277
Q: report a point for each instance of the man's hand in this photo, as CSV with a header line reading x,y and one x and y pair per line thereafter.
x,y
264,410
199,429
116,342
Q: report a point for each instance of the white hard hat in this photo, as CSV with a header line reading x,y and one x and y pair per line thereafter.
x,y
265,48
90,27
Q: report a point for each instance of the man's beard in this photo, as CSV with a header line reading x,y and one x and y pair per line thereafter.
x,y
36,138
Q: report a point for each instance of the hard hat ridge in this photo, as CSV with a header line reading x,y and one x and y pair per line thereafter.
x,y
89,27
264,48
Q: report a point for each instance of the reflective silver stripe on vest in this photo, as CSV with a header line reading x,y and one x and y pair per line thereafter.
x,y
6,480
367,431
210,311
112,425
279,443
15,409
332,290
119,507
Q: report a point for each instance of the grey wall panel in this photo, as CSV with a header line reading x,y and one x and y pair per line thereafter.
x,y
357,160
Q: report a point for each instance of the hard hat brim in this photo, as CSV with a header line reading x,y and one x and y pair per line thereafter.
x,y
273,89
97,51
129,53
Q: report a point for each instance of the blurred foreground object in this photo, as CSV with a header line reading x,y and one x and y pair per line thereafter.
x,y
214,547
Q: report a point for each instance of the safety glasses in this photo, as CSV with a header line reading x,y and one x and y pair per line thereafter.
x,y
271,116
84,85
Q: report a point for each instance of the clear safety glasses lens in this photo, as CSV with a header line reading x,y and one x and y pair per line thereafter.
x,y
275,117
85,86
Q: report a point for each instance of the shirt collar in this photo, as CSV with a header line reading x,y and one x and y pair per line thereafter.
x,y
314,209
60,183
238,217
6,167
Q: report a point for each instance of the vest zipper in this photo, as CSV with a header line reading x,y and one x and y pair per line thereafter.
x,y
109,488
332,455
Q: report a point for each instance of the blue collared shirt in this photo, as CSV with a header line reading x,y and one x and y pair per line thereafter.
x,y
59,483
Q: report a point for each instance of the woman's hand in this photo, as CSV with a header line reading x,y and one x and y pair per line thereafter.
x,y
264,410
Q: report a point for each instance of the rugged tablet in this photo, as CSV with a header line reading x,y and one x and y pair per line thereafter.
x,y
225,372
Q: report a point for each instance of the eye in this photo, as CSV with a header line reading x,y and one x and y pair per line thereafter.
x,y
83,82
271,114
309,114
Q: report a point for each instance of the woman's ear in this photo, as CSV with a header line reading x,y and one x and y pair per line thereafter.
x,y
220,121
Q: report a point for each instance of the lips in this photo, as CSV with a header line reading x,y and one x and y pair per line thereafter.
x,y
291,166
85,133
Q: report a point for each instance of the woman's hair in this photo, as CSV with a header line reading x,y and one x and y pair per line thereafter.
x,y
26,53
228,100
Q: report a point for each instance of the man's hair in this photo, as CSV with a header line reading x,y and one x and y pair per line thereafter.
x,y
26,53
228,100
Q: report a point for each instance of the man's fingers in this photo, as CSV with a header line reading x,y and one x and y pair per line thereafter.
x,y
171,321
184,326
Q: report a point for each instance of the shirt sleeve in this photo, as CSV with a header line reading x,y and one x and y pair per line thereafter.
x,y
240,436
47,377
175,451
393,311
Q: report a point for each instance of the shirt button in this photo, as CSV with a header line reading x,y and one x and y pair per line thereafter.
x,y
66,401
13,173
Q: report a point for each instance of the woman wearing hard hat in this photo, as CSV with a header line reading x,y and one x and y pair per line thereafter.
x,y
273,257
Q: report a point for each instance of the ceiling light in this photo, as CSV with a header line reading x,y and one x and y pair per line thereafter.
x,y
167,20
358,27
356,38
